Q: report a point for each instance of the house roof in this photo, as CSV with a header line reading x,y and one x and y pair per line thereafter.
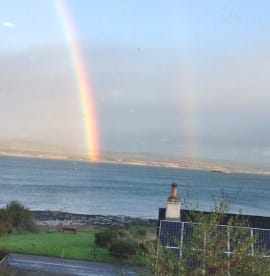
x,y
252,221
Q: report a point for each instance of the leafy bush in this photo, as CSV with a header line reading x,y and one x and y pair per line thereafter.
x,y
123,248
105,238
146,245
5,227
140,232
15,217
123,234
19,215
3,252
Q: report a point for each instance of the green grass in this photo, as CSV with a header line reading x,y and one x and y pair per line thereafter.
x,y
62,244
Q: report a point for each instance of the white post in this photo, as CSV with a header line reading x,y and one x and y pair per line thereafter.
x,y
252,245
173,211
228,251
182,237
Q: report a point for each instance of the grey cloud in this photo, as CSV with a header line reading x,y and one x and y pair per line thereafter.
x,y
146,101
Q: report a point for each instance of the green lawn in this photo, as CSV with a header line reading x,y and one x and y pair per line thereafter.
x,y
60,244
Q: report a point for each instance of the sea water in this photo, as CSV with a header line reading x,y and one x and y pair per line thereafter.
x,y
117,189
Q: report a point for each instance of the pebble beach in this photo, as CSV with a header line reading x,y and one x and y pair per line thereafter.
x,y
55,218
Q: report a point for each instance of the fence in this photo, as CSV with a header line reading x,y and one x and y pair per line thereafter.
x,y
4,265
174,234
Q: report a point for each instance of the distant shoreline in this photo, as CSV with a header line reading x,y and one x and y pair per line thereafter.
x,y
213,168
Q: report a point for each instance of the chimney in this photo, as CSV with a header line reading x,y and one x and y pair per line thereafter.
x,y
173,205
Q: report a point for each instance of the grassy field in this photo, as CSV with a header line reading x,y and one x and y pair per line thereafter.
x,y
62,244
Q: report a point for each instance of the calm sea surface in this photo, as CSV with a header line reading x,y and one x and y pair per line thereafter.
x,y
137,191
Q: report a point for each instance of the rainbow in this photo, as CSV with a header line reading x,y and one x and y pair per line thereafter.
x,y
83,82
188,111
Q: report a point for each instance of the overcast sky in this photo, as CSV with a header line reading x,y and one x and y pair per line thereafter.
x,y
188,78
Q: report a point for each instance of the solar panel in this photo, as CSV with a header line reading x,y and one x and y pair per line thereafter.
x,y
173,252
170,233
262,240
174,233
239,237
222,236
188,233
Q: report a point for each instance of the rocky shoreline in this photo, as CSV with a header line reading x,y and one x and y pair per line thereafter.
x,y
54,218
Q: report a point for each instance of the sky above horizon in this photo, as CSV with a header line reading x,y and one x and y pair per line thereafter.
x,y
186,78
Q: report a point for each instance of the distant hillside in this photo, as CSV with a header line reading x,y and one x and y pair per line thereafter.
x,y
41,150
217,166
35,149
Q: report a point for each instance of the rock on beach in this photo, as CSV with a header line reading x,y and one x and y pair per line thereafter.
x,y
54,218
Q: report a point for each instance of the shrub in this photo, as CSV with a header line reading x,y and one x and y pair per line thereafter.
x,y
5,227
15,217
20,216
105,238
123,248
3,252
140,232
123,234
146,245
